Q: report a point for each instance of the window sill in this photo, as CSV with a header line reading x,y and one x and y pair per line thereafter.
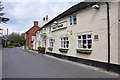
x,y
50,48
72,25
63,50
84,51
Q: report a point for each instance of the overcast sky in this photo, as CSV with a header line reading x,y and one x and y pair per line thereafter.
x,y
22,13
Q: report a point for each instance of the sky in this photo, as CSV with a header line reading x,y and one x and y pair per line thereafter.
x,y
23,13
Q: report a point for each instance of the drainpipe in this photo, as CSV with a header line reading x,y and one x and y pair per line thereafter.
x,y
108,24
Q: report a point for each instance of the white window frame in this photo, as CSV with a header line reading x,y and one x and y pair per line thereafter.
x,y
39,43
44,43
63,43
49,29
80,46
72,17
51,42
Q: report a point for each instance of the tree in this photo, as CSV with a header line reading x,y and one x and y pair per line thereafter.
x,y
23,40
14,38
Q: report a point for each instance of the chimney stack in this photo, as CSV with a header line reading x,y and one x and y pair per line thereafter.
x,y
35,23
46,18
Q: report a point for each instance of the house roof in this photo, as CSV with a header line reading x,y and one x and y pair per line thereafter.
x,y
71,10
31,29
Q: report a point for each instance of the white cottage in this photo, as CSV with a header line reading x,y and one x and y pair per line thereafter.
x,y
87,32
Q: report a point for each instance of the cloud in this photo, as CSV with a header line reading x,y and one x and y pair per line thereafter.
x,y
22,14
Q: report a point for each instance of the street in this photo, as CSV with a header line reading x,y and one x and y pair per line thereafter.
x,y
19,63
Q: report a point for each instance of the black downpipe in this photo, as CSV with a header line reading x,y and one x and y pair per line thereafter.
x,y
108,23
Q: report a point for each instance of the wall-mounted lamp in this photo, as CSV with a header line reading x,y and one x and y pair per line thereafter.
x,y
55,22
96,6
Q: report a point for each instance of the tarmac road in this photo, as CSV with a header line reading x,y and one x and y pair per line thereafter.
x,y
19,63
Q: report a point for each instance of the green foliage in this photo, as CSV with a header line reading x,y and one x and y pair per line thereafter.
x,y
38,48
14,38
14,44
8,47
41,48
17,38
23,40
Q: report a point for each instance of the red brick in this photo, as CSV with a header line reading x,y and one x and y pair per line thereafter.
x,y
30,33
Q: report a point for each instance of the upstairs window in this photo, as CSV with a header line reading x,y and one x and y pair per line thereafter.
x,y
84,42
49,29
64,42
73,19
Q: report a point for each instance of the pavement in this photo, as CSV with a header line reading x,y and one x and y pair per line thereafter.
x,y
20,63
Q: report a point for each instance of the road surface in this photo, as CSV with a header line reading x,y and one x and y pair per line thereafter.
x,y
19,63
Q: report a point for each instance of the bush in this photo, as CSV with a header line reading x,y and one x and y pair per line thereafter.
x,y
38,48
8,47
14,44
41,48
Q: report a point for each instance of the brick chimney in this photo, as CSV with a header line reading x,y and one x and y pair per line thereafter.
x,y
35,23
46,18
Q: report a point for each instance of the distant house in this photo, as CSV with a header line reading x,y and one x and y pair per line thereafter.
x,y
30,33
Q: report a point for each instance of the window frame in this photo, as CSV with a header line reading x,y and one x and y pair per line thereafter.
x,y
63,43
81,45
73,19
39,43
51,40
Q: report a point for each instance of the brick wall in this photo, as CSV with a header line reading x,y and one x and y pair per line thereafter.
x,y
30,33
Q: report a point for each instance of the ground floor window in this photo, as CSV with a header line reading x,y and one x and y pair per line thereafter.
x,y
39,43
44,43
84,42
64,42
51,43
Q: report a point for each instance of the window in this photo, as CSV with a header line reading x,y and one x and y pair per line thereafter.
x,y
64,42
39,43
73,19
44,43
50,29
44,30
84,42
51,43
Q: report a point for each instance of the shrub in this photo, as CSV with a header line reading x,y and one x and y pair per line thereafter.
x,y
14,44
8,47
41,48
38,48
